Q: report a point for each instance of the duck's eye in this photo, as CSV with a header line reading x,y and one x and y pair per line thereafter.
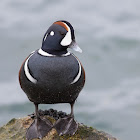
x,y
52,33
62,33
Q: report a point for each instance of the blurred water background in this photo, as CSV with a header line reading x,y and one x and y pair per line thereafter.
x,y
108,33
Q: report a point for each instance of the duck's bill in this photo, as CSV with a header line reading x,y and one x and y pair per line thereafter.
x,y
75,47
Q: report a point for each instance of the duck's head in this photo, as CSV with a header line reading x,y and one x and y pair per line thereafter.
x,y
58,38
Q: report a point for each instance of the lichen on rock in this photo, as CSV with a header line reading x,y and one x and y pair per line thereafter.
x,y
15,129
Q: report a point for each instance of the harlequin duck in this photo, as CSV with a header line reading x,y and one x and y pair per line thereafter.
x,y
53,75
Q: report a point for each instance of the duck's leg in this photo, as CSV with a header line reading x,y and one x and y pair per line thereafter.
x,y
67,125
39,128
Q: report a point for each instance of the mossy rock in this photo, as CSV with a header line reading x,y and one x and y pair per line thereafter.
x,y
15,129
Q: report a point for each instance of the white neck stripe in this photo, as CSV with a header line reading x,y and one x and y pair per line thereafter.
x,y
43,53
79,73
66,54
27,73
40,51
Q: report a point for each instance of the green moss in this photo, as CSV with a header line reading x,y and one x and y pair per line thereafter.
x,y
2,130
51,119
82,133
12,121
15,129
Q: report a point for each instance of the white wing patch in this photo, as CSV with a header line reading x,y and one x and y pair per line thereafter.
x,y
79,73
26,69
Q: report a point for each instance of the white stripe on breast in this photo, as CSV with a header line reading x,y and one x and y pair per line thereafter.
x,y
79,73
26,69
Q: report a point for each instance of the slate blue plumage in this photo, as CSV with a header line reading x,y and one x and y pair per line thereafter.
x,y
53,75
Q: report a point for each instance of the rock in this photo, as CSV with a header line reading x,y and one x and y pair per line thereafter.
x,y
15,129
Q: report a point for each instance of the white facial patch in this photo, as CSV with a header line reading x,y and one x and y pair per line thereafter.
x,y
52,33
67,39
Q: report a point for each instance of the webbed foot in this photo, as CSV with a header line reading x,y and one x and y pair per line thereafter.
x,y
38,129
66,126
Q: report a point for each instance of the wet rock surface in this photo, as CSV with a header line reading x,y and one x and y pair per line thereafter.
x,y
15,129
52,113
